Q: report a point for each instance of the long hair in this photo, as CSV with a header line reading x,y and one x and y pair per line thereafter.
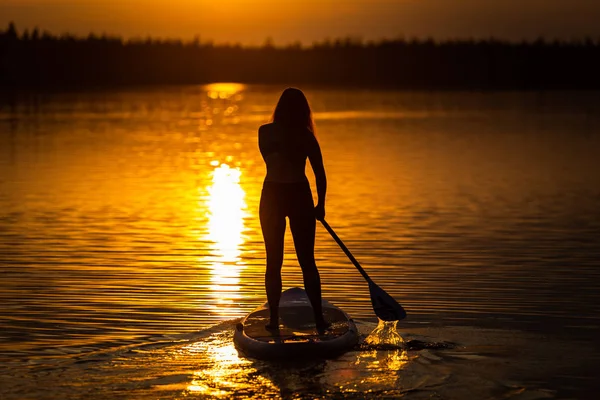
x,y
293,110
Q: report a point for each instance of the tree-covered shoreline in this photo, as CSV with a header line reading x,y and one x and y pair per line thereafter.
x,y
46,61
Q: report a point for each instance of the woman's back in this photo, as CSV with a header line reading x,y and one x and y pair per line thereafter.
x,y
285,150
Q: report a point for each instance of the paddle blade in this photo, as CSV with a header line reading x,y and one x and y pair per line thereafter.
x,y
384,305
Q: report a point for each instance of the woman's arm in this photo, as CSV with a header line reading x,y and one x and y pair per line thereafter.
x,y
261,141
316,162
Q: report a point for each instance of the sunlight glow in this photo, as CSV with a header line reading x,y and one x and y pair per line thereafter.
x,y
224,90
220,375
226,212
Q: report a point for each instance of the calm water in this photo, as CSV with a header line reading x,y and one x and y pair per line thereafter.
x,y
130,242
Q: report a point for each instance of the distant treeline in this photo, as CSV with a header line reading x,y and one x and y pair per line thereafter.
x,y
39,61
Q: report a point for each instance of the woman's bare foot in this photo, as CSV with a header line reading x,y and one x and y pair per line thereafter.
x,y
272,327
322,325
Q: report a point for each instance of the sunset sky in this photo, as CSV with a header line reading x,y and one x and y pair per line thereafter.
x,y
252,21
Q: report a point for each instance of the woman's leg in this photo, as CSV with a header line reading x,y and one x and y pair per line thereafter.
x,y
303,230
272,223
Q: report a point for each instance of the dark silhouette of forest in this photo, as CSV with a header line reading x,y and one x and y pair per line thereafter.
x,y
34,60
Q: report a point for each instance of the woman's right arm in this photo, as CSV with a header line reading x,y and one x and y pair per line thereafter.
x,y
316,162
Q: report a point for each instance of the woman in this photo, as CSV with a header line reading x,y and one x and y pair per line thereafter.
x,y
285,144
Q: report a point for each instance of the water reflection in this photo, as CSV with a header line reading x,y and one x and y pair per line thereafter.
x,y
375,369
222,372
226,211
219,371
226,207
384,355
222,105
224,90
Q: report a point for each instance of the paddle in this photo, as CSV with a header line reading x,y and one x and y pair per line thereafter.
x,y
384,305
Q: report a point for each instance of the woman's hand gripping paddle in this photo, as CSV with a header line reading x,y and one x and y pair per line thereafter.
x,y
384,305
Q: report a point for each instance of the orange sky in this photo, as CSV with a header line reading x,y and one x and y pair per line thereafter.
x,y
251,21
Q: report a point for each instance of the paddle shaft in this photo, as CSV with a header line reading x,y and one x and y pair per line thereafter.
x,y
345,249
384,305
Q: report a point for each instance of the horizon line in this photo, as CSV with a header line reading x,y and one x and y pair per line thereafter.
x,y
269,41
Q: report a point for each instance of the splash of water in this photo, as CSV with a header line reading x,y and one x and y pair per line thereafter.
x,y
385,336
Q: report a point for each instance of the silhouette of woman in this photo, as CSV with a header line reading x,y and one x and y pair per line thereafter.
x,y
285,144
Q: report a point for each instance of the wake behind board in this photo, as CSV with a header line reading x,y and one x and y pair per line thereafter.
x,y
297,336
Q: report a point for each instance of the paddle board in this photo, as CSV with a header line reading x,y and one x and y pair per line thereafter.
x,y
297,336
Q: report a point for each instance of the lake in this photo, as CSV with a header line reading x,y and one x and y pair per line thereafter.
x,y
130,242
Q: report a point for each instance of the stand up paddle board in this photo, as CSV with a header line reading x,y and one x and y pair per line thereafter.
x,y
297,336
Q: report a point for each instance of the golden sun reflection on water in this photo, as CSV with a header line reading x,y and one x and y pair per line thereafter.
x,y
226,211
387,353
224,90
226,207
223,372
